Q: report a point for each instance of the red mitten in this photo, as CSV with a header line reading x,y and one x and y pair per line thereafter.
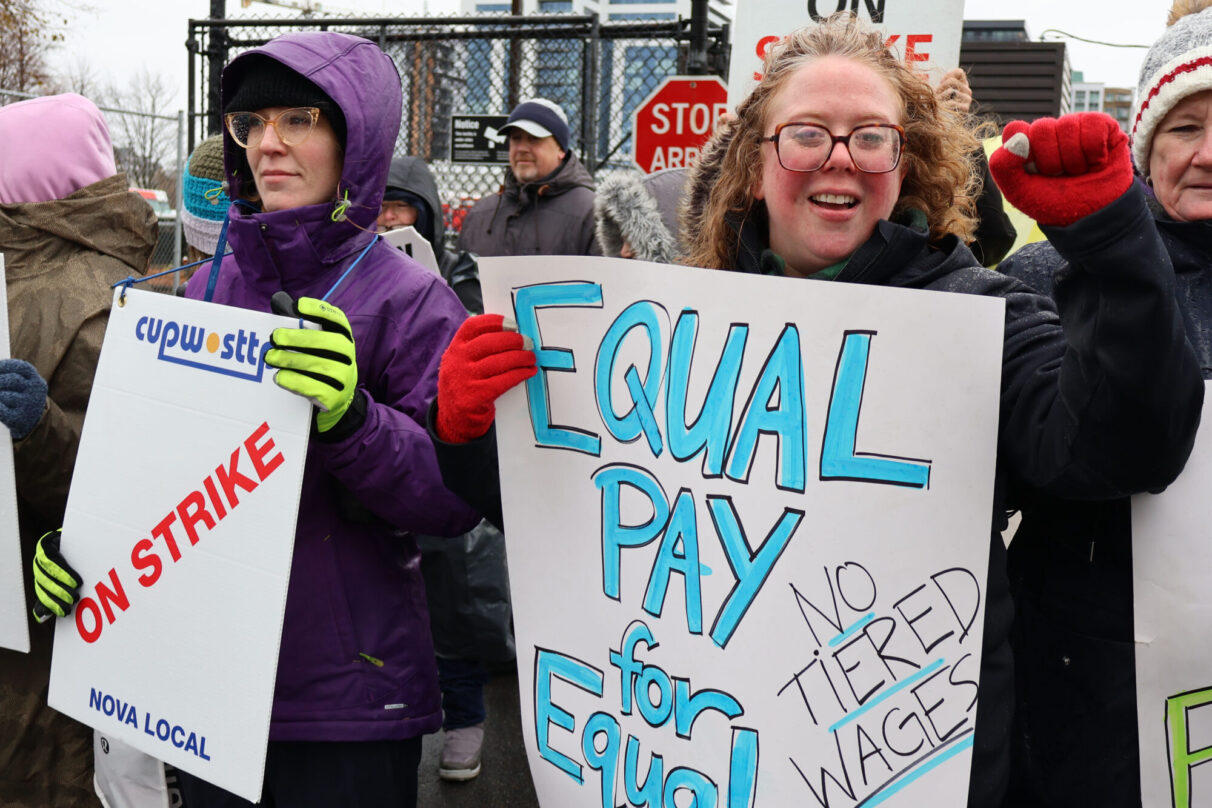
x,y
483,361
1058,170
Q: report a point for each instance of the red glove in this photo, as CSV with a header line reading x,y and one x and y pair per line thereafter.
x,y
1058,170
483,361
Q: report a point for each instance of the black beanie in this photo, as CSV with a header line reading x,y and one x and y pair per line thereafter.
x,y
266,82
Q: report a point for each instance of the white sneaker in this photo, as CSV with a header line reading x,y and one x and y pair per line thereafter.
x,y
461,753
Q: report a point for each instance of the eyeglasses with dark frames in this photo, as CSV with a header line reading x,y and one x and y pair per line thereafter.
x,y
293,126
874,148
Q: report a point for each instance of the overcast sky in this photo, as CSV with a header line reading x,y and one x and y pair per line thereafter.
x,y
123,35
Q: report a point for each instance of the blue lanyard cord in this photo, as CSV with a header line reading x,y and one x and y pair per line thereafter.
x,y
220,251
131,280
345,274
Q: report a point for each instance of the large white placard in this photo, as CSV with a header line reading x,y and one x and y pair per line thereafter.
x,y
181,521
14,625
1171,556
926,33
748,523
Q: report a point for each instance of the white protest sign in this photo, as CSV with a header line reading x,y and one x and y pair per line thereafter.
x,y
926,33
181,522
414,245
748,524
14,624
1171,556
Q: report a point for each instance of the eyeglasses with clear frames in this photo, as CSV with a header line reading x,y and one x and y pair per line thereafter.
x,y
293,126
874,148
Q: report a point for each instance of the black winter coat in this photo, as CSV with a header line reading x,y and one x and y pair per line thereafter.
x,y
459,269
551,216
1071,562
1105,407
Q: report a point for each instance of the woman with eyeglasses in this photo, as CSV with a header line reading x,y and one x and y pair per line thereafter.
x,y
311,122
841,166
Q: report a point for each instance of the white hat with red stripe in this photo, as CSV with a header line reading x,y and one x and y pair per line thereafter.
x,y
1178,65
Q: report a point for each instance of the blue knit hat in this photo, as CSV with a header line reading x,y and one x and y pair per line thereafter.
x,y
205,196
541,118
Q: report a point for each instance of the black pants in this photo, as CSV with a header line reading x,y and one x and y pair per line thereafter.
x,y
300,774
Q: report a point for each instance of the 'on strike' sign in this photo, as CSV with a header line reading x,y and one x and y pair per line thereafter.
x,y
926,35
672,124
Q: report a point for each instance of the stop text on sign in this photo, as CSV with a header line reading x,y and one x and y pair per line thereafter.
x,y
672,124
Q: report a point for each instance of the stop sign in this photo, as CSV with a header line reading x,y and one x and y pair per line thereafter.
x,y
670,127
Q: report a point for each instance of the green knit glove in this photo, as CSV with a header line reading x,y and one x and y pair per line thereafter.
x,y
320,365
55,582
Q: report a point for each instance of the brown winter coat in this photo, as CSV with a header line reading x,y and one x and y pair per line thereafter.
x,y
60,259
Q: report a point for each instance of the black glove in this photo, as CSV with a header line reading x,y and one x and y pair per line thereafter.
x,y
55,582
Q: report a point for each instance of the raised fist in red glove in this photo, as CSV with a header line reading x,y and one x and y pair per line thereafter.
x,y
1058,170
485,358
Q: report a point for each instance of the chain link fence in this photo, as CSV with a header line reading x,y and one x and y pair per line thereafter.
x,y
154,160
456,69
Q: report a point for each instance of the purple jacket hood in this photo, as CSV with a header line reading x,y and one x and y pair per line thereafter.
x,y
356,660
364,83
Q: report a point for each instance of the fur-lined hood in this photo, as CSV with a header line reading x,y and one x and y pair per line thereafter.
x,y
642,210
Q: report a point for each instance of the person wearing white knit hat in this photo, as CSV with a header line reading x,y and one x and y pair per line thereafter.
x,y
1071,562
1178,66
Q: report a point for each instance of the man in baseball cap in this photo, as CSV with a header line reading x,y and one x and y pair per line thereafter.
x,y
525,218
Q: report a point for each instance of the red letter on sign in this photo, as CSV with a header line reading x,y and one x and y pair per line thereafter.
x,y
230,477
141,560
163,531
257,453
911,43
116,596
764,44
192,510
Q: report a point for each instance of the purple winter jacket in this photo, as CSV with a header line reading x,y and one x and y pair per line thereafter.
x,y
356,660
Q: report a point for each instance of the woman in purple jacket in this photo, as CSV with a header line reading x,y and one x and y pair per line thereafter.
x,y
311,122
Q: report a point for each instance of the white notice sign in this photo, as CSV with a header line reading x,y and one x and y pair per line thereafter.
x,y
1171,556
181,521
408,241
748,524
14,624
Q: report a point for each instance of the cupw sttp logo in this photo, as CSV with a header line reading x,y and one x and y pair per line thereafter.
x,y
239,354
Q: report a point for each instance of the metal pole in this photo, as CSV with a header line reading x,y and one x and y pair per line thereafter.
x,y
515,59
589,87
191,101
217,53
696,60
180,197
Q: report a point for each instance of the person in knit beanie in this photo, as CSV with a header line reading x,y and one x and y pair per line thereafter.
x,y
1076,729
204,192
1178,66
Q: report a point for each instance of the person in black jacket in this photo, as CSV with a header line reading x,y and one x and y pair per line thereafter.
x,y
545,206
840,166
411,199
1076,740
466,583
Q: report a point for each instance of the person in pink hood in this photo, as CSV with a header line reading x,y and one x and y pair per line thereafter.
x,y
69,228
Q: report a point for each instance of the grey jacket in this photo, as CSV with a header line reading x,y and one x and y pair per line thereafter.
x,y
643,211
551,216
